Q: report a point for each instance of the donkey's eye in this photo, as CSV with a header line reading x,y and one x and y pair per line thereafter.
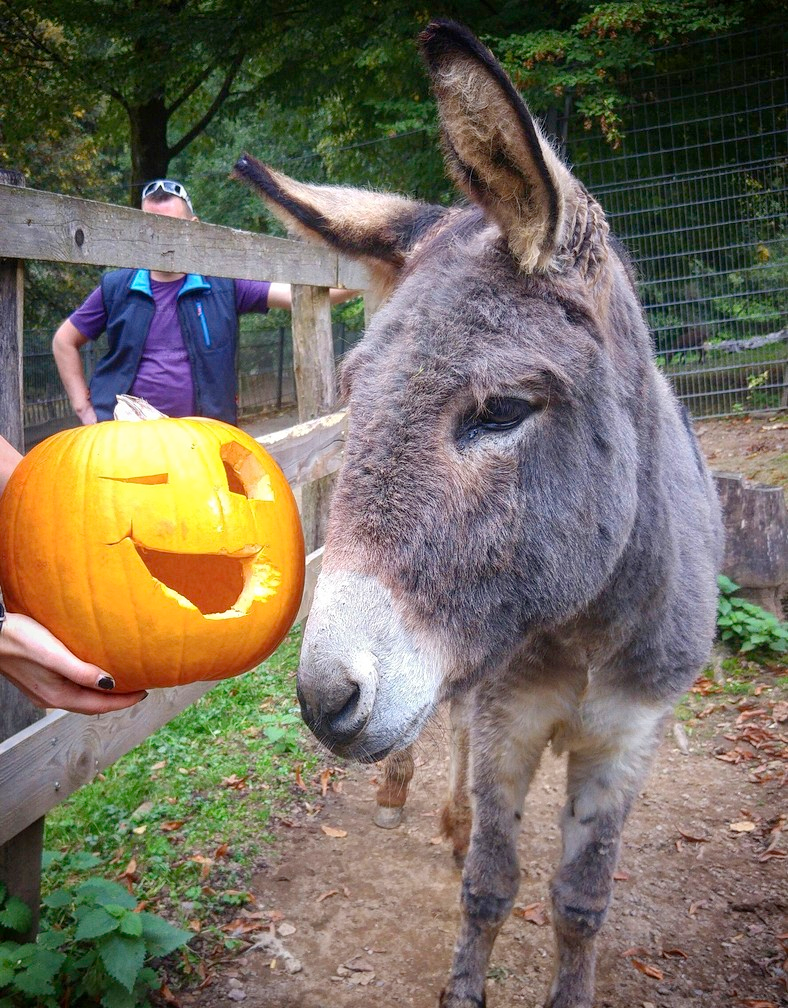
x,y
497,414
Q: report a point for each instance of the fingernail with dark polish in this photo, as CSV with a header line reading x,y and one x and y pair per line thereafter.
x,y
106,682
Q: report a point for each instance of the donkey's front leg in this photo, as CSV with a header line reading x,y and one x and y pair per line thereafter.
x,y
456,815
502,766
603,777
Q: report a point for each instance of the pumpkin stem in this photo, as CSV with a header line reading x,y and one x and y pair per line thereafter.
x,y
131,407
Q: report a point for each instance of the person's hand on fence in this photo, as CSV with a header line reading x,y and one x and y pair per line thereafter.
x,y
87,415
51,676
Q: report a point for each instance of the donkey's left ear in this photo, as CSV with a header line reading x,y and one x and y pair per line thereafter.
x,y
494,149
380,229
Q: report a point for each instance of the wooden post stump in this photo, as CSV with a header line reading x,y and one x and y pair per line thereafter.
x,y
756,539
20,858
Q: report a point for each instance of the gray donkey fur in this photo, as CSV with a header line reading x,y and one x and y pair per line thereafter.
x,y
523,521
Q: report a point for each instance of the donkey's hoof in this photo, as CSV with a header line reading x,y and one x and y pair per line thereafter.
x,y
388,818
449,1000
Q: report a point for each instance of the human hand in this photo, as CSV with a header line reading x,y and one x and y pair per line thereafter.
x,y
86,414
51,676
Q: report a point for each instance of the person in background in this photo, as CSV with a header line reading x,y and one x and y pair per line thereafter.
x,y
172,336
39,665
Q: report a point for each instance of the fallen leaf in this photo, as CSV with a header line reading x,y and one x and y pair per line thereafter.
x,y
332,831
160,765
745,826
172,825
359,965
674,952
285,930
195,925
650,971
325,778
139,830
221,851
620,876
299,779
325,895
636,950
168,996
234,781
756,1003
691,838
534,913
205,865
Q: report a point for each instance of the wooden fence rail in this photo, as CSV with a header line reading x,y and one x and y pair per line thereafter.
x,y
43,762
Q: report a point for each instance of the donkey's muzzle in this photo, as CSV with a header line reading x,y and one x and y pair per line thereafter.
x,y
338,708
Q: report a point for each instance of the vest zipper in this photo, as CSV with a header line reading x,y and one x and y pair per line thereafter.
x,y
201,316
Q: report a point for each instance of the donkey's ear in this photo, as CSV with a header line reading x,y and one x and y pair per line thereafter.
x,y
377,228
494,149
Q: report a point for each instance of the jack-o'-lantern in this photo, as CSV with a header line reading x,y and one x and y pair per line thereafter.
x,y
165,551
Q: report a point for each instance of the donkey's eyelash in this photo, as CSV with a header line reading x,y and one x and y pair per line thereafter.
x,y
496,415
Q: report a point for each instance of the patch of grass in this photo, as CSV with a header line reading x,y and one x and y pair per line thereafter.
x,y
183,816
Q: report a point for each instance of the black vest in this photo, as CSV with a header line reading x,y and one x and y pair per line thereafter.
x,y
209,325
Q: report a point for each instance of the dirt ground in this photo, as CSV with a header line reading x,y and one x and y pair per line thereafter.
x,y
347,915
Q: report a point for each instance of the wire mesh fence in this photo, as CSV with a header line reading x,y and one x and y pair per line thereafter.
x,y
266,379
697,193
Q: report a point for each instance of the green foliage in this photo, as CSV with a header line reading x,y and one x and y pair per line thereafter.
x,y
747,627
590,62
210,778
92,948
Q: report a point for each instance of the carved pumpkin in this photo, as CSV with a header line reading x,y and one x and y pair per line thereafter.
x,y
165,551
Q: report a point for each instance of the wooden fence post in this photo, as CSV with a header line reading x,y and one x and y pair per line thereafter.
x,y
316,390
20,858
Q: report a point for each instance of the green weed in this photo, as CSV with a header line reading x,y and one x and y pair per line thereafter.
x,y
183,816
94,947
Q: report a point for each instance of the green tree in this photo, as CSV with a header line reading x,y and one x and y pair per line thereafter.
x,y
163,70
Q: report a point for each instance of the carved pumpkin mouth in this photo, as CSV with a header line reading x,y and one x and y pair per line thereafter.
x,y
213,584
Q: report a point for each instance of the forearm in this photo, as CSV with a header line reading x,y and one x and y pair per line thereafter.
x,y
338,295
280,295
65,347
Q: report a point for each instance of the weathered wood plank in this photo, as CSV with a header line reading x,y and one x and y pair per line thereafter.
x,y
20,857
44,763
310,450
41,225
316,389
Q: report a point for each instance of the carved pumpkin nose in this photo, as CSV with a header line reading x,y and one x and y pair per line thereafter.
x,y
337,703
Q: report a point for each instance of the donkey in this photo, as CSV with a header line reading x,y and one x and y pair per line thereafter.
x,y
523,520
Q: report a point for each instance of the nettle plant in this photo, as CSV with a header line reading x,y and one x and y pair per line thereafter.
x,y
93,948
745,626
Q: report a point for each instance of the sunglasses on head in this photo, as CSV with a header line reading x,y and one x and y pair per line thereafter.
x,y
173,188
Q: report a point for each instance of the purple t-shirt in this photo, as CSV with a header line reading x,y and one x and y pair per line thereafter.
x,y
164,375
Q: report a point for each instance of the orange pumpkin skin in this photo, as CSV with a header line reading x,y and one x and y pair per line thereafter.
x,y
165,551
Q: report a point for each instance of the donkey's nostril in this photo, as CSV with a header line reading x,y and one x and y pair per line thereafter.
x,y
343,721
337,697
348,711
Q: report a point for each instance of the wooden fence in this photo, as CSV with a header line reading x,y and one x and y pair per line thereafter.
x,y
43,759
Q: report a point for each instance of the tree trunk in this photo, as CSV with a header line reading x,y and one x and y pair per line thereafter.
x,y
150,153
